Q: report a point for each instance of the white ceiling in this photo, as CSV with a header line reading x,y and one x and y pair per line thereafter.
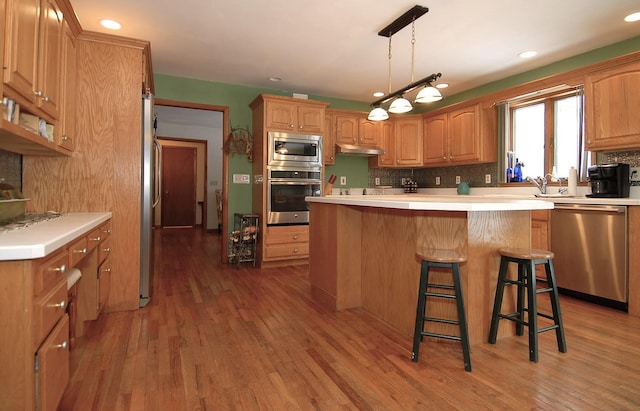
x,y
331,47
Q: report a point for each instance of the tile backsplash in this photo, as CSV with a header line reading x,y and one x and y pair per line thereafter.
x,y
11,168
473,174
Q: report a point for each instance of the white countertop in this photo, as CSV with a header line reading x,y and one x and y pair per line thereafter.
x,y
41,239
438,202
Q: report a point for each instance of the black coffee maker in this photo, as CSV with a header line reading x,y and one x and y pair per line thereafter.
x,y
609,180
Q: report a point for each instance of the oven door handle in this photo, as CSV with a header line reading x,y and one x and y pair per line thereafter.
x,y
294,182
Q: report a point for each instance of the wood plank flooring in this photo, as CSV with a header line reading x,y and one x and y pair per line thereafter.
x,y
219,337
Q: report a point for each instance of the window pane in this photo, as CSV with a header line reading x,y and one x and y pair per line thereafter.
x,y
528,139
567,135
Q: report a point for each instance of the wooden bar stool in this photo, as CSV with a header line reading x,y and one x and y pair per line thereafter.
x,y
527,259
444,259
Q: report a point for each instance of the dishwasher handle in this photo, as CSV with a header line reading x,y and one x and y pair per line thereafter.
x,y
600,209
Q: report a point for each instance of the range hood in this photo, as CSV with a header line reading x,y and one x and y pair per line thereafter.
x,y
353,150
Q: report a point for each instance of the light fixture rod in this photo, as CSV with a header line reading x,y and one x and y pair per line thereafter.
x,y
403,21
407,89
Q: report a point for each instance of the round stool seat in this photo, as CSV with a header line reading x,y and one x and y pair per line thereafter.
x,y
440,256
526,253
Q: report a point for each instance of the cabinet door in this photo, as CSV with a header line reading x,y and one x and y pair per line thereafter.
x,y
408,141
328,141
386,142
53,367
435,140
104,283
347,129
66,136
21,46
368,132
464,134
49,61
280,115
612,104
310,119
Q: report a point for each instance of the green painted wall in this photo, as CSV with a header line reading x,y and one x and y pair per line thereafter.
x,y
237,98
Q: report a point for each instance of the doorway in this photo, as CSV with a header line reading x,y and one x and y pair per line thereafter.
x,y
178,186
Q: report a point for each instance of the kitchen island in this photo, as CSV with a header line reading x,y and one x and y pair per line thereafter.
x,y
362,252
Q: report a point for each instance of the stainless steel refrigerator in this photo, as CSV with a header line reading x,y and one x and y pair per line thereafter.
x,y
150,196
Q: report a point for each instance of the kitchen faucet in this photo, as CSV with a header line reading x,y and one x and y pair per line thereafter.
x,y
540,182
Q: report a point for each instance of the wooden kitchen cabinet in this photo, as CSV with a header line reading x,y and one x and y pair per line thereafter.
x,y
612,103
329,140
32,54
368,132
540,238
67,124
286,242
52,365
94,286
386,141
294,115
346,128
464,135
408,141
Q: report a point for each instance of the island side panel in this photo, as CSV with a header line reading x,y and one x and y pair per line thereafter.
x,y
390,271
488,231
334,258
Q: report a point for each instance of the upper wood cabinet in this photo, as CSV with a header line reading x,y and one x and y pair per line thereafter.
x,y
32,53
612,104
329,140
408,141
462,136
66,134
346,128
386,141
368,131
294,116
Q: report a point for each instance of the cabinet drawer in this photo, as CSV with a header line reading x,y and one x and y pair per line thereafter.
x,y
105,230
47,310
50,271
93,239
77,250
280,251
104,249
291,234
52,373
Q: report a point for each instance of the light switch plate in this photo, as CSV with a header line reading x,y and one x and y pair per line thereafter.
x,y
343,181
241,179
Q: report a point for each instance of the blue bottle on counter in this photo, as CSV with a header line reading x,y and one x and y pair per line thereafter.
x,y
517,172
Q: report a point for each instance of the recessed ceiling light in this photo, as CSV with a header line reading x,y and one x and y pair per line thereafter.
x,y
442,85
632,17
274,78
378,94
110,24
528,54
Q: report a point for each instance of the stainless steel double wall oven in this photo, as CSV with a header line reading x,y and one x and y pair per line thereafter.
x,y
294,172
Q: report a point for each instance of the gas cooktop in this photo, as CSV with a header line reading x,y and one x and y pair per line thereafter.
x,y
27,220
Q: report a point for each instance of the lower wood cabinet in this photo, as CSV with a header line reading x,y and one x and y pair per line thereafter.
x,y
286,243
52,367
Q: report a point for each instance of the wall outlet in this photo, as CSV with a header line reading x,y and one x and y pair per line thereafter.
x,y
241,179
487,178
634,174
437,181
457,179
377,181
343,180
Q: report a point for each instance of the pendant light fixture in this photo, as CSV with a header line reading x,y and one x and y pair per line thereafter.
x,y
427,94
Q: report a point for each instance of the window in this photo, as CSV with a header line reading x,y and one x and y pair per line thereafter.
x,y
544,134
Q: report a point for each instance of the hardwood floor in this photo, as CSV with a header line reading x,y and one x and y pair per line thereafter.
x,y
219,337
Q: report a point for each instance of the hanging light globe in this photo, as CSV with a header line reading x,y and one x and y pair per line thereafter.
x,y
378,114
400,105
428,94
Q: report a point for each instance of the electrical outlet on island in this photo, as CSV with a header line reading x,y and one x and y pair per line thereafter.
x,y
437,181
377,181
457,179
487,178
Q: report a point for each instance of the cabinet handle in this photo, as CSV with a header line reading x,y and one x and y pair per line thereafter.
x,y
61,304
96,239
45,99
61,269
295,237
66,138
39,93
291,125
106,249
107,231
82,251
63,346
295,250
300,127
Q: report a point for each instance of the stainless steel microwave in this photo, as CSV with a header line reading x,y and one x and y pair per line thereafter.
x,y
294,150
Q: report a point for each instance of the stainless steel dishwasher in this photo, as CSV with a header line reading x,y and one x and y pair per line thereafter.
x,y
590,247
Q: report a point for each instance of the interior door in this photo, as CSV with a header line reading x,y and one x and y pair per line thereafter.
x,y
178,186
